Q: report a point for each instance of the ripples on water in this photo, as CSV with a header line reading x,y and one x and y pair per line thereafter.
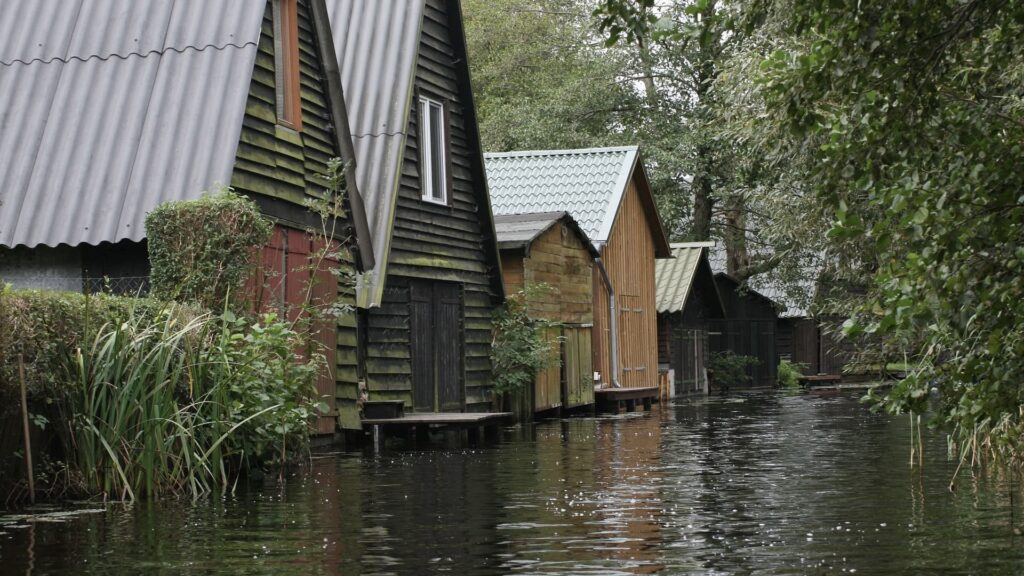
x,y
761,484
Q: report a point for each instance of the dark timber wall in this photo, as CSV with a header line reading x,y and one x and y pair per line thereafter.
x,y
280,168
435,242
749,329
683,335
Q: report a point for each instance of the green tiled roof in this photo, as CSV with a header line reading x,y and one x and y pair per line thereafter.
x,y
673,277
587,183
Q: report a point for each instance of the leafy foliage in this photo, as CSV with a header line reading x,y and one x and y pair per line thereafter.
x,y
43,328
149,398
519,349
177,404
268,387
789,373
918,121
730,369
202,250
539,79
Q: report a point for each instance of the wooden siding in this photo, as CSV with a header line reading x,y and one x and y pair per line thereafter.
x,y
274,162
436,242
577,359
560,259
629,259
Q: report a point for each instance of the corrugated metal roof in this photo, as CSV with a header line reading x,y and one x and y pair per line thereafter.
x,y
520,230
377,47
588,183
111,107
794,296
673,277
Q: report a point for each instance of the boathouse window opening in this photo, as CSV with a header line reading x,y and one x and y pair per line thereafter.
x,y
433,151
286,63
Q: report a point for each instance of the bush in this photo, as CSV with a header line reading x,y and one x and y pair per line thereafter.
x,y
789,373
202,250
519,349
179,404
45,328
149,398
268,388
730,369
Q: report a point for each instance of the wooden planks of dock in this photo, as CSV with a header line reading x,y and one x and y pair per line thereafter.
x,y
613,399
454,419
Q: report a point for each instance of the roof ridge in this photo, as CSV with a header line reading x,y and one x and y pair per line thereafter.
x,y
698,244
182,50
561,152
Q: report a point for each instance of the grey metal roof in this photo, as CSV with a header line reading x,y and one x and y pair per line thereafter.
x,y
673,277
588,183
377,47
520,230
111,107
794,296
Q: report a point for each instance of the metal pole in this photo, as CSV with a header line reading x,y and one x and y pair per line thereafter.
x,y
25,428
696,361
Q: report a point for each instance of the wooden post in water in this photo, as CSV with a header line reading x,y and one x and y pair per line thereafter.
x,y
25,428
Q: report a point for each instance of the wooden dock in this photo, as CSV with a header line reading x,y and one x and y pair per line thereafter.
x,y
613,399
453,419
417,426
819,379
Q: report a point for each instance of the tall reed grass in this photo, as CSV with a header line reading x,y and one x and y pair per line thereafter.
x,y
160,405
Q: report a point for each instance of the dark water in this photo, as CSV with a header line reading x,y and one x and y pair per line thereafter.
x,y
765,484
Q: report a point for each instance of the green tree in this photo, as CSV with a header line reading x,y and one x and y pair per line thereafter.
x,y
541,79
686,49
915,115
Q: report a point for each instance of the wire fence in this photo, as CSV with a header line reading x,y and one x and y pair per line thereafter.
x,y
119,285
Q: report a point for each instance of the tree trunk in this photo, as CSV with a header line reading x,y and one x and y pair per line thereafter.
x,y
737,258
703,203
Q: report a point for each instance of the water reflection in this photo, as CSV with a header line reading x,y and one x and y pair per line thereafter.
x,y
758,484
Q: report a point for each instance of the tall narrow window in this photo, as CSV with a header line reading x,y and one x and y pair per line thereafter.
x,y
433,151
286,63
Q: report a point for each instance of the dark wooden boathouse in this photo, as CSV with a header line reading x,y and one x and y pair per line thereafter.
x,y
106,123
426,305
748,329
687,302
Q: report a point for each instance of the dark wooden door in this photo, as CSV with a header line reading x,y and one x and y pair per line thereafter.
x,y
436,341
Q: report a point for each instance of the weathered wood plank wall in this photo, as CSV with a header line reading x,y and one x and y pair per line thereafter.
x,y
629,258
274,162
435,242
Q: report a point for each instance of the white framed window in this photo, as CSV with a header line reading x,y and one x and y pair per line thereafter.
x,y
433,151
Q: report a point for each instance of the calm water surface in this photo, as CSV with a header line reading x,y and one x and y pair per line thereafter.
x,y
760,484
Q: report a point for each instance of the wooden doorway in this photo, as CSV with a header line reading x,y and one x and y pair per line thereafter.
x,y
436,346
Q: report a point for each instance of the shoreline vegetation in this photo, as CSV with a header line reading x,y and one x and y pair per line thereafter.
x,y
174,395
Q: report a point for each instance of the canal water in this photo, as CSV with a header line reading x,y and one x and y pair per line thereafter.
x,y
760,484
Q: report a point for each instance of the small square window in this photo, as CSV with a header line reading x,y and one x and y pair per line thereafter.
x,y
433,151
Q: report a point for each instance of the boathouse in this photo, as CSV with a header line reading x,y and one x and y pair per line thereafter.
x,y
426,304
802,336
687,301
549,259
101,124
607,192
748,329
